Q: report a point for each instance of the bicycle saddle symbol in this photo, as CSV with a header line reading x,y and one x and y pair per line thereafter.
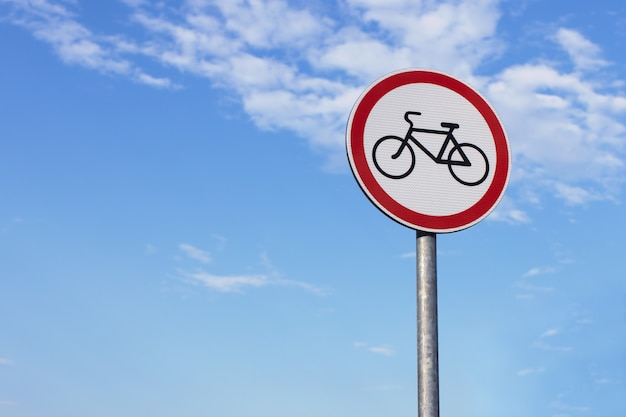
x,y
394,157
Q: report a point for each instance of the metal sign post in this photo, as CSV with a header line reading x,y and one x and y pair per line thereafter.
x,y
427,339
430,153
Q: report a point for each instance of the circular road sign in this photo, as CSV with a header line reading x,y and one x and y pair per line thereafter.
x,y
428,151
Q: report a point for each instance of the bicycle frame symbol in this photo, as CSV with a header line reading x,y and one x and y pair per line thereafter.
x,y
392,155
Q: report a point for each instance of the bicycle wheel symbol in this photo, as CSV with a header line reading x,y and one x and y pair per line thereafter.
x,y
475,171
389,162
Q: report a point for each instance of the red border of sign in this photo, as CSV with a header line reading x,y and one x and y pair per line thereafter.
x,y
398,212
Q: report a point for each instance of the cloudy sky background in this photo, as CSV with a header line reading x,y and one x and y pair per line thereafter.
x,y
180,232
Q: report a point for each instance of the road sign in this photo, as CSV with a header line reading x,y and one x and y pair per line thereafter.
x,y
428,151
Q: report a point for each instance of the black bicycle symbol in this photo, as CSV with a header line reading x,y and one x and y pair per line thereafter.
x,y
464,159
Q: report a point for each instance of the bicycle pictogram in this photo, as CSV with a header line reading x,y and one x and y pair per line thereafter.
x,y
394,157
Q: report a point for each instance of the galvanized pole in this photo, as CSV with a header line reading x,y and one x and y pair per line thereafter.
x,y
427,344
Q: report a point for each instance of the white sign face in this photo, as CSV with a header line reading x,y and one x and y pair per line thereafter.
x,y
428,151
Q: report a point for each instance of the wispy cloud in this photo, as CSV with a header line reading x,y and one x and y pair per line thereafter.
x,y
238,283
562,406
533,282
585,54
550,333
53,23
602,381
539,270
550,347
543,344
221,241
5,361
509,215
8,225
530,371
384,350
567,123
228,283
195,253
530,290
304,75
575,195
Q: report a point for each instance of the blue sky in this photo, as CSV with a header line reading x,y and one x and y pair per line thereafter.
x,y
181,235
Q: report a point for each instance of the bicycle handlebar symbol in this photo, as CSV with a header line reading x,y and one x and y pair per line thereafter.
x,y
394,156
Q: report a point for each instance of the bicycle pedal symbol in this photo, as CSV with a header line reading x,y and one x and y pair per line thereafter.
x,y
394,157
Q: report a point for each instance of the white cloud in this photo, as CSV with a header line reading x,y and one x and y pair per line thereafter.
x,y
5,361
566,128
530,371
255,22
314,289
348,56
508,212
221,240
543,345
384,350
74,43
134,3
574,195
560,405
584,53
602,381
449,35
550,333
547,346
527,286
226,283
540,270
238,283
195,253
563,131
154,81
512,216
